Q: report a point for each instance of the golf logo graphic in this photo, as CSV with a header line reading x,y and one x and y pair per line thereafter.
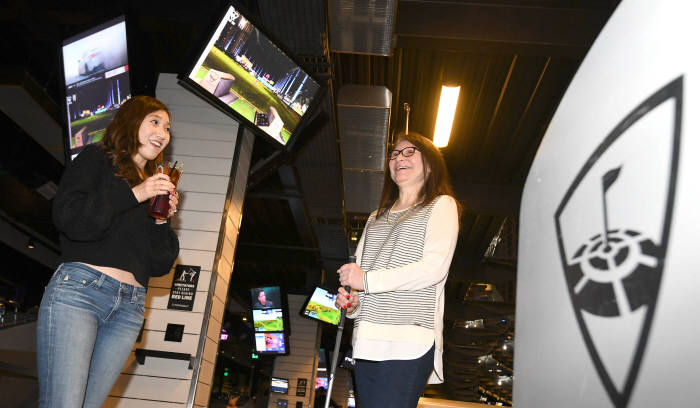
x,y
612,228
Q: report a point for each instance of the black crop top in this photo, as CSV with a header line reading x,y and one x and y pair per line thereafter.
x,y
100,222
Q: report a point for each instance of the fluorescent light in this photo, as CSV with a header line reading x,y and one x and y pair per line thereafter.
x,y
446,115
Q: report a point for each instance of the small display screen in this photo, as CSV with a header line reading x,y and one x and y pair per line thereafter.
x,y
268,320
96,74
280,385
321,382
270,343
321,306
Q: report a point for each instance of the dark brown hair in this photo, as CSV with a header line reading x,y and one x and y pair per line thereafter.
x,y
121,139
437,179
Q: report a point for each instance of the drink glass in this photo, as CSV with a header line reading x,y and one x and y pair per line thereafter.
x,y
160,204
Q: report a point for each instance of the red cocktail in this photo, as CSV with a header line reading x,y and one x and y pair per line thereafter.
x,y
160,204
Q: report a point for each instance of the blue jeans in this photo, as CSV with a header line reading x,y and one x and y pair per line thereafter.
x,y
88,322
392,383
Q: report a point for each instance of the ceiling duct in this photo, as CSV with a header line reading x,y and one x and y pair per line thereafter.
x,y
361,26
363,123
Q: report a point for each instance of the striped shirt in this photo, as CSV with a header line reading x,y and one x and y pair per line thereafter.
x,y
406,256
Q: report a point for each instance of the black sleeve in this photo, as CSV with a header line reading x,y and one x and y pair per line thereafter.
x,y
165,248
90,197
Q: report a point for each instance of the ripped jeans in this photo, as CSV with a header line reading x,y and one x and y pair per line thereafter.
x,y
88,322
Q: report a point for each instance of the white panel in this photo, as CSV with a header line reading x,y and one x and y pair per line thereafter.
x,y
158,367
217,310
153,340
167,280
152,388
202,165
199,183
234,216
203,202
157,319
197,220
205,259
201,240
210,349
214,328
224,269
193,114
228,249
201,396
179,96
114,402
206,131
157,298
221,290
198,147
232,228
206,372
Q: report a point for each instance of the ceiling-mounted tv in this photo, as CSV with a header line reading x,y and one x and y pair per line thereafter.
x,y
241,71
95,71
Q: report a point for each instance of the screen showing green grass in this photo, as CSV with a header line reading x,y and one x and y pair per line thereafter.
x,y
268,320
254,78
321,306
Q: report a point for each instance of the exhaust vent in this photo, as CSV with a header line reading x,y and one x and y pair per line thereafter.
x,y
361,26
363,122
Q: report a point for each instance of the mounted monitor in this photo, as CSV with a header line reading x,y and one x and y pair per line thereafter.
x,y
241,71
320,305
271,344
279,385
95,69
270,320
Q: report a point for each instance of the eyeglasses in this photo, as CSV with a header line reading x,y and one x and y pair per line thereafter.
x,y
405,152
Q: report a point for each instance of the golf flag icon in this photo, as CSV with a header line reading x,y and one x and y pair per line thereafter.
x,y
612,226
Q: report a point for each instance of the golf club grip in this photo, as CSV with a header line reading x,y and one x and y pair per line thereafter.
x,y
351,259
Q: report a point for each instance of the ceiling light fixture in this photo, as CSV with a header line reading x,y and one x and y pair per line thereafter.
x,y
30,244
446,114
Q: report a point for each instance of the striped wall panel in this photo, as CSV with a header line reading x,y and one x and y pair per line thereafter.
x,y
302,359
204,139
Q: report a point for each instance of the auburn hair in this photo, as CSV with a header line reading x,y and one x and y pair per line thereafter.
x,y
121,139
437,180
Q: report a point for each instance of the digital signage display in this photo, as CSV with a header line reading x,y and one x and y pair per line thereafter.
x,y
95,70
269,321
321,306
242,72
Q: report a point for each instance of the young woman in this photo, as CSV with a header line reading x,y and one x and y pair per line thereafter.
x,y
398,282
92,309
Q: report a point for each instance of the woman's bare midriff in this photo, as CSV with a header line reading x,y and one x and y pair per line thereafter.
x,y
118,274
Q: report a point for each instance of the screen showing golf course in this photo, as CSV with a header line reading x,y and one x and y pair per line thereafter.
x,y
321,306
268,320
254,78
96,73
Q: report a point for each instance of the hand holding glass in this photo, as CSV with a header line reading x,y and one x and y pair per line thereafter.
x,y
160,204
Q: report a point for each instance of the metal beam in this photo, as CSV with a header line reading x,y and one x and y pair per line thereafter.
x,y
498,28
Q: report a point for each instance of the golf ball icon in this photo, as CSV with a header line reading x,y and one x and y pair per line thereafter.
x,y
614,276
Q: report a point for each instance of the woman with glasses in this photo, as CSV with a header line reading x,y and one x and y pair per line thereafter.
x,y
398,283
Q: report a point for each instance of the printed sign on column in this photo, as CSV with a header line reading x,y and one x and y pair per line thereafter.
x,y
184,287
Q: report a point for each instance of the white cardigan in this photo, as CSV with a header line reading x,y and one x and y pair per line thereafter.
x,y
377,341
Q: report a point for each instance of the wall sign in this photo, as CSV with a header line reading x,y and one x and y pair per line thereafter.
x,y
301,387
184,287
609,223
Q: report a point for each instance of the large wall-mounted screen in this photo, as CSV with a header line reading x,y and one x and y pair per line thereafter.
x,y
243,73
95,70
